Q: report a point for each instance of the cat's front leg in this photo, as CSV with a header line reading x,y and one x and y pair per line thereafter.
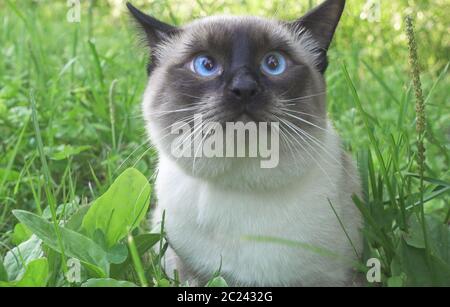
x,y
172,264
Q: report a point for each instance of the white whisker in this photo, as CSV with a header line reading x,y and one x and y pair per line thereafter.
x,y
307,122
290,125
303,113
302,97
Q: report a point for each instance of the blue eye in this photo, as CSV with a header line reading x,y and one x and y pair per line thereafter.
x,y
273,64
205,66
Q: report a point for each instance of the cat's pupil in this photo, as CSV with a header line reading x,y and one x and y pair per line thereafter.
x,y
208,63
272,62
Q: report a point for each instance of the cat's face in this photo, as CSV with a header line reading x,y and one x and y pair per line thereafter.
x,y
230,69
234,68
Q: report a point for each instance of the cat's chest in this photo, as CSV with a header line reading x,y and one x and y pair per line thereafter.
x,y
221,214
208,226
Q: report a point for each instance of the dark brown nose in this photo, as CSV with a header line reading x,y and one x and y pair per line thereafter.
x,y
244,86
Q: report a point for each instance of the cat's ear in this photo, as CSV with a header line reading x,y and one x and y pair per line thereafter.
x,y
155,30
321,22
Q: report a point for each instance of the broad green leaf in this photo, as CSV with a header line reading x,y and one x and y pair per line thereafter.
x,y
107,282
68,209
74,222
54,266
217,282
21,234
419,269
145,241
438,236
17,258
395,281
414,237
100,238
118,253
36,274
9,175
411,256
75,245
121,208
162,283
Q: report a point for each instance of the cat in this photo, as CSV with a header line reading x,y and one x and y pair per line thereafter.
x,y
278,226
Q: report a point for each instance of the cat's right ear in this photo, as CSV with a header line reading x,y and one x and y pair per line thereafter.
x,y
155,30
321,23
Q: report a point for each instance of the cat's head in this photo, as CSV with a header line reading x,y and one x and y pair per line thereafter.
x,y
231,68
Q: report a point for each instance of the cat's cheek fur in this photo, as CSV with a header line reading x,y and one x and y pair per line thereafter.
x,y
207,224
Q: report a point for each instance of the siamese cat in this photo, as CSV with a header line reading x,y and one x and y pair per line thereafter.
x,y
278,226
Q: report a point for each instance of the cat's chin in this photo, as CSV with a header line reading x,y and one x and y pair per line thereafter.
x,y
246,117
250,173
241,173
246,173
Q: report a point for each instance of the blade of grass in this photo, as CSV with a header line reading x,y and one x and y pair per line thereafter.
x,y
98,66
314,249
47,178
112,114
137,261
369,130
343,228
14,154
433,87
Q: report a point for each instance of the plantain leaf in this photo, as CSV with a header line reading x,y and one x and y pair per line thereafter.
x,y
17,259
120,209
146,241
20,234
36,274
217,281
75,244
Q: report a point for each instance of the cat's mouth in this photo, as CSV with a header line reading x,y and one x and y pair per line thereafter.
x,y
246,117
241,114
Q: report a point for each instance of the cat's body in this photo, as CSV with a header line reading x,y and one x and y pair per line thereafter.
x,y
260,226
207,224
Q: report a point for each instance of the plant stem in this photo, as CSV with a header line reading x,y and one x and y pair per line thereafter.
x,y
112,114
137,261
420,123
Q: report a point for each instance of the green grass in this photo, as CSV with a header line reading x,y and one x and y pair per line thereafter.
x,y
70,124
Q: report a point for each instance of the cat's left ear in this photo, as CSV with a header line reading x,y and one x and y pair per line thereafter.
x,y
321,22
155,30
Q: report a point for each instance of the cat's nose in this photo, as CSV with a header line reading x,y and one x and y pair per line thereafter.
x,y
244,86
